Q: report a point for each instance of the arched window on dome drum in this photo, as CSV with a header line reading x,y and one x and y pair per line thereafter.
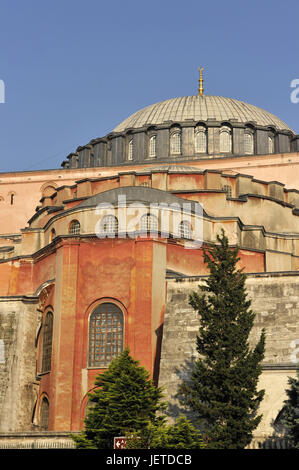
x,y
248,143
105,335
200,140
47,343
109,225
225,140
185,230
148,223
270,144
44,414
152,146
130,150
175,143
74,228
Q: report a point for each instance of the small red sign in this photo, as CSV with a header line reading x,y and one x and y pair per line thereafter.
x,y
120,442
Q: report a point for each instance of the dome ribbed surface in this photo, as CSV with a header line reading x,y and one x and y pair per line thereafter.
x,y
201,108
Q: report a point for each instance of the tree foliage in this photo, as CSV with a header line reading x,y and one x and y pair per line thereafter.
x,y
223,387
180,435
125,401
291,411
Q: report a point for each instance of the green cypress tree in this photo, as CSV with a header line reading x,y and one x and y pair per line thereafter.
x,y
291,411
223,387
125,400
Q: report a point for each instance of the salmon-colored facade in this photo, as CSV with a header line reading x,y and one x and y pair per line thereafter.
x,y
66,253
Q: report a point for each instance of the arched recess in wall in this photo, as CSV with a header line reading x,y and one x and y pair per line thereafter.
x,y
175,140
48,188
105,334
43,412
88,350
225,140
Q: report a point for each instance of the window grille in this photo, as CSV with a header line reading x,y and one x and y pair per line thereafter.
x,y
105,334
248,143
47,342
44,414
225,140
152,147
228,189
200,141
175,143
109,225
74,228
149,223
185,230
271,144
130,153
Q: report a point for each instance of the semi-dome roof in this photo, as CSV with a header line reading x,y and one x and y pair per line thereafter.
x,y
201,108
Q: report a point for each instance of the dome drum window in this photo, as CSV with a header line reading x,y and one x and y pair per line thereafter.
x,y
175,142
130,150
105,335
153,146
200,139
248,143
225,140
271,144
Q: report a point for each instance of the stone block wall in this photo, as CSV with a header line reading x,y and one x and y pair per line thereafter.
x,y
275,299
18,325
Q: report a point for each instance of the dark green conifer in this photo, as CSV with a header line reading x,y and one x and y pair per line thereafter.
x,y
223,387
291,411
125,400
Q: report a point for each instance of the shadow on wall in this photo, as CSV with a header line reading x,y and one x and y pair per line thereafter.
x,y
177,407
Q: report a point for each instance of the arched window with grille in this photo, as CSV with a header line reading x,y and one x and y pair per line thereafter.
x,y
148,223
175,143
248,143
200,140
47,342
106,330
109,225
74,228
130,150
44,414
225,140
185,229
270,144
152,146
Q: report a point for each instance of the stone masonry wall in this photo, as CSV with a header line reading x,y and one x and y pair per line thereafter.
x,y
275,299
17,363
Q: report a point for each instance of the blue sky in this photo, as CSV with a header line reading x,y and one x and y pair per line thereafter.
x,y
73,70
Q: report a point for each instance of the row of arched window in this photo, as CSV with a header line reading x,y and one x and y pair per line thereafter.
x,y
201,142
109,225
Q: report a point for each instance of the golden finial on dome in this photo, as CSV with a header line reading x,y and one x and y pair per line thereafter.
x,y
200,81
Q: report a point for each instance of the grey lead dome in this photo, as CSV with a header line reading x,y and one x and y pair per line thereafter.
x,y
201,108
